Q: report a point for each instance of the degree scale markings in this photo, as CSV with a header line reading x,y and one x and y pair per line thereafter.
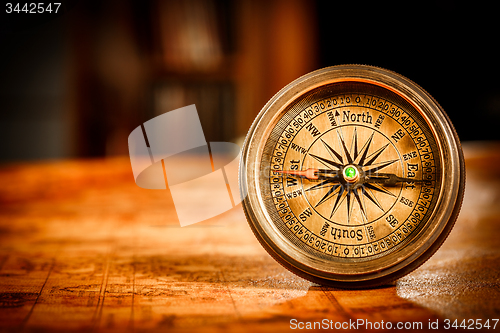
x,y
292,219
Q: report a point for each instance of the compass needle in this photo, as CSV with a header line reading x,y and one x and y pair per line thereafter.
x,y
354,176
310,173
379,188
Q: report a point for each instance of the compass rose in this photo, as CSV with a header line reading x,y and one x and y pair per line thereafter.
x,y
351,176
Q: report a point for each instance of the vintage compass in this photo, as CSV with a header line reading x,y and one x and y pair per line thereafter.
x,y
354,174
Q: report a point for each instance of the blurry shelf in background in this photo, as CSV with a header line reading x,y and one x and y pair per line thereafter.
x,y
214,100
194,60
190,35
227,57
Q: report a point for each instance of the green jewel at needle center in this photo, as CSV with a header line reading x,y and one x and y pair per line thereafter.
x,y
350,173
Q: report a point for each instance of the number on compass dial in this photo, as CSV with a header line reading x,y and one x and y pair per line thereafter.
x,y
352,176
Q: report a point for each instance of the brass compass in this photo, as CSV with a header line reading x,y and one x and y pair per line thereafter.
x,y
354,175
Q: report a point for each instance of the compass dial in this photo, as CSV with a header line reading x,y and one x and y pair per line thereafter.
x,y
354,176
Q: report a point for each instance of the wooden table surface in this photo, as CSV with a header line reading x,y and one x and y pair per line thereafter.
x,y
82,248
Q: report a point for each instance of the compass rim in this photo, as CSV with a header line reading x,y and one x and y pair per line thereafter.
x,y
358,72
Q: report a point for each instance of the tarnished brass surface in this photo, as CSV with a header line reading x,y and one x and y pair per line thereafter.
x,y
355,176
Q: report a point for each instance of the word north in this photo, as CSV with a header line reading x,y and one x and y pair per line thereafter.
x,y
358,117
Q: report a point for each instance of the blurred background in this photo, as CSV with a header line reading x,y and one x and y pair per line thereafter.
x,y
76,84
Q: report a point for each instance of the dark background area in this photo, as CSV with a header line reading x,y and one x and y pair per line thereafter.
x,y
77,83
450,48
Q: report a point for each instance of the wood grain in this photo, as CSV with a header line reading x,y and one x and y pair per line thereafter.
x,y
82,248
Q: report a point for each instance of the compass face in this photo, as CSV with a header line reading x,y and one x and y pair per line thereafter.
x,y
354,176
355,203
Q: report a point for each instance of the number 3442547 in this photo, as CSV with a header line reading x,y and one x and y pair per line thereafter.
x,y
32,8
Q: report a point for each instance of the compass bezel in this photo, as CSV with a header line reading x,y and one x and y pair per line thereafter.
x,y
377,271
